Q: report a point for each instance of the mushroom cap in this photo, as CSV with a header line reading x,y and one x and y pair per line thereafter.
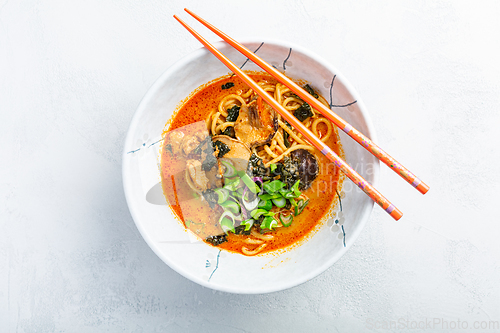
x,y
239,152
307,167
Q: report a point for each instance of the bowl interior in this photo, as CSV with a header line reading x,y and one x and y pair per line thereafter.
x,y
205,264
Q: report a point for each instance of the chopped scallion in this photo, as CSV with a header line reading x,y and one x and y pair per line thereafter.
x,y
254,188
223,195
300,206
295,188
231,206
265,204
230,170
232,183
248,224
269,222
279,202
258,212
286,220
269,196
274,186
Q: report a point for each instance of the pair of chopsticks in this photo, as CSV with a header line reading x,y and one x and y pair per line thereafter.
x,y
315,141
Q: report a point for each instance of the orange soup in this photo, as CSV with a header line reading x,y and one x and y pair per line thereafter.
x,y
238,176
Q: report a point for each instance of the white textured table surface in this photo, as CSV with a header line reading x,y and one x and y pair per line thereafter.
x,y
71,76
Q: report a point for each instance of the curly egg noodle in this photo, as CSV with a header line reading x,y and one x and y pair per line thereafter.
x,y
276,149
212,105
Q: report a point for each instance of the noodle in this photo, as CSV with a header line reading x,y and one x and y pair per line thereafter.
x,y
223,126
248,93
288,151
253,241
273,143
281,142
328,125
248,252
296,103
268,150
261,236
214,122
290,132
229,100
208,121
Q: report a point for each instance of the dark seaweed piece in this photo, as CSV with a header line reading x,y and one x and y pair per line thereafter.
x,y
207,149
221,147
217,239
266,178
279,169
211,197
227,85
233,113
229,131
285,139
259,221
256,167
303,112
286,135
310,90
209,163
240,230
203,146
289,173
255,160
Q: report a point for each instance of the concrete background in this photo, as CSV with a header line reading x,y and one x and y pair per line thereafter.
x,y
71,76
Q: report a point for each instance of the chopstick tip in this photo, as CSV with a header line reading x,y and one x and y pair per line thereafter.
x,y
396,214
423,188
178,19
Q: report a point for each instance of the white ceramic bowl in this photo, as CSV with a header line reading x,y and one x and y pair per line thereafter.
x,y
207,265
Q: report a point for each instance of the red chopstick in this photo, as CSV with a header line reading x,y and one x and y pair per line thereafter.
x,y
337,120
320,145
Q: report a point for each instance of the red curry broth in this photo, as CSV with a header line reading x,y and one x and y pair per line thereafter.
x,y
200,216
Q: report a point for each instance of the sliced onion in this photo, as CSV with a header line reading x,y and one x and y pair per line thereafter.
x,y
261,181
225,227
250,205
258,179
230,169
244,212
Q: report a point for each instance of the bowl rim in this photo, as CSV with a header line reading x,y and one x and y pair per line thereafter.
x,y
141,109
